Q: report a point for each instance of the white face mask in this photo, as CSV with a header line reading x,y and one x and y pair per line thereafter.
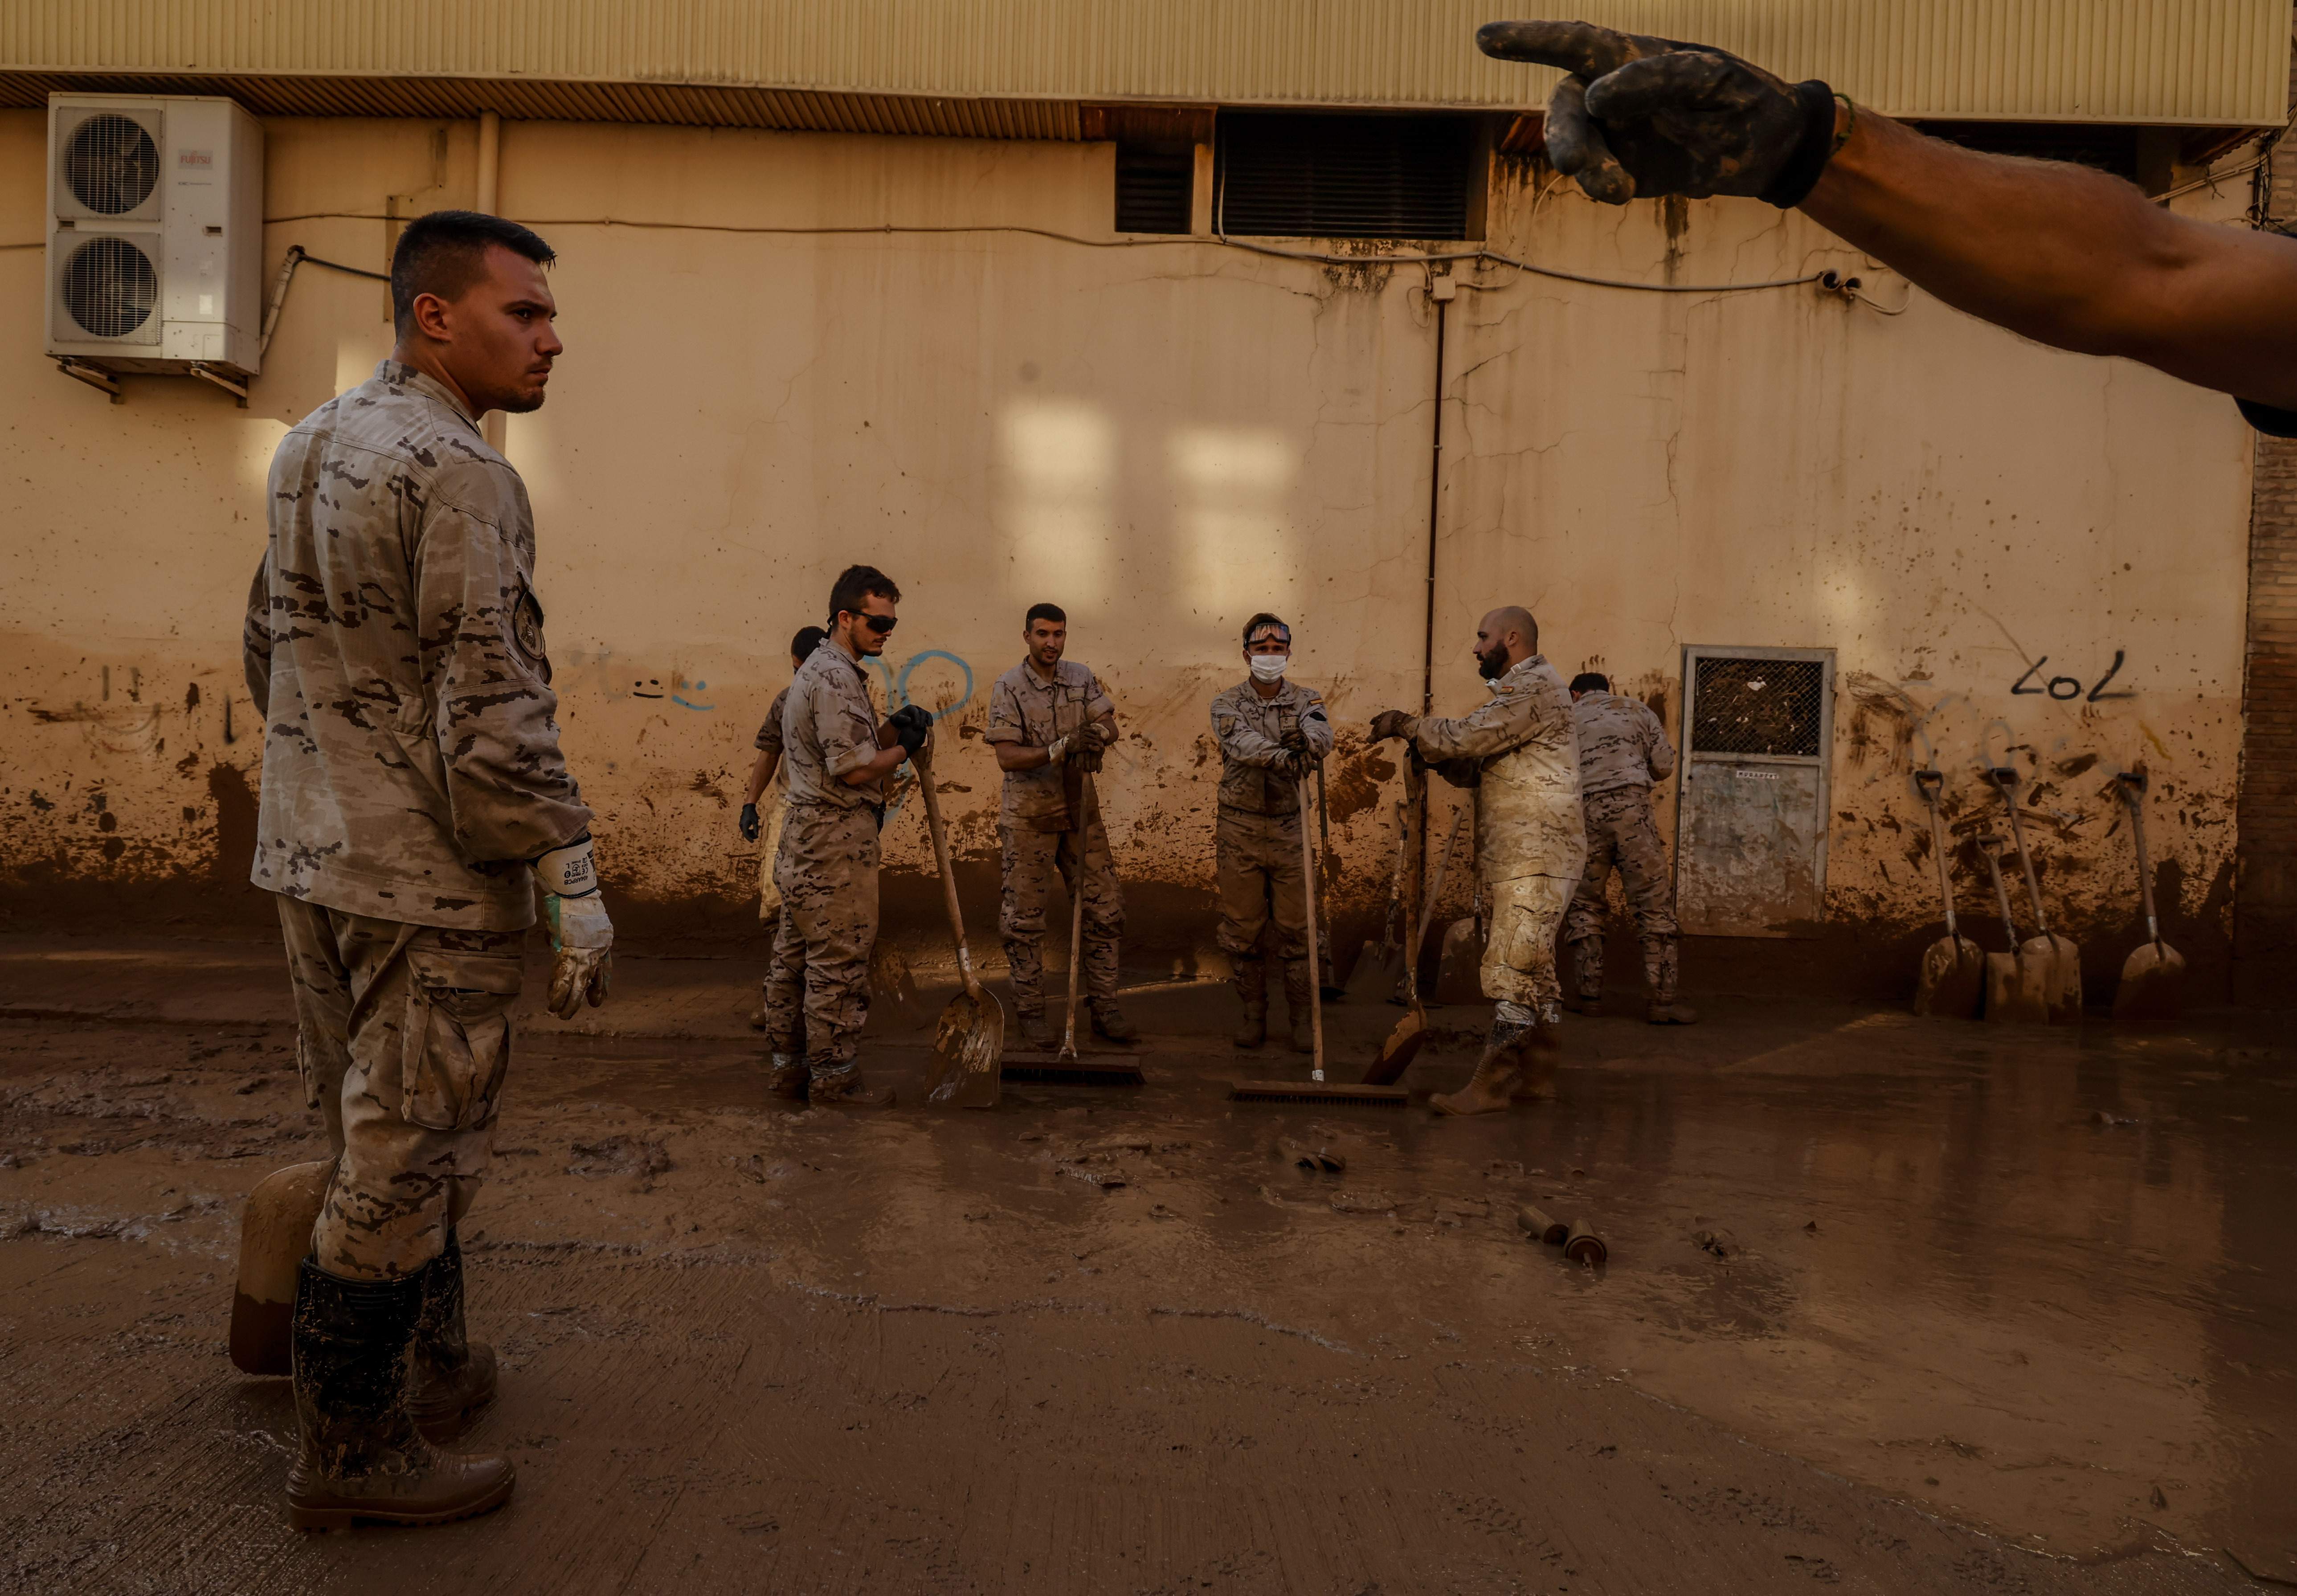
x,y
1268,667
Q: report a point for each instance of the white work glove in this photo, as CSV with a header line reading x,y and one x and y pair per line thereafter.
x,y
581,936
1057,749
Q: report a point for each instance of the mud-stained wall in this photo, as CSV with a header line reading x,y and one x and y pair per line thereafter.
x,y
1163,438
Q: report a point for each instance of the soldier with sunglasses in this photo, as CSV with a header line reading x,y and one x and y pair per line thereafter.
x,y
838,755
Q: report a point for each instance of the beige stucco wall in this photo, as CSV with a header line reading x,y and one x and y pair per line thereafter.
x,y
1163,440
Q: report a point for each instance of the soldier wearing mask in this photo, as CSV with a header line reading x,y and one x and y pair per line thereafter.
x,y
1519,754
765,771
1051,721
1623,749
1272,733
413,798
837,754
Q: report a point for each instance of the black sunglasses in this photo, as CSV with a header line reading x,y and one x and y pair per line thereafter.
x,y
880,624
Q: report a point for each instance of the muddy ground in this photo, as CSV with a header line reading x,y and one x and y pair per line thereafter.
x,y
1892,1305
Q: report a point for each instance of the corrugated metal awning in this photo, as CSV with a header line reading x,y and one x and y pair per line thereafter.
x,y
2189,63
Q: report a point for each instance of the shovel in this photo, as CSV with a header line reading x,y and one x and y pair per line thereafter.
x,y
2016,992
2061,961
1952,981
2153,990
962,1073
1427,905
1373,976
1404,1043
1119,1070
1326,977
1460,966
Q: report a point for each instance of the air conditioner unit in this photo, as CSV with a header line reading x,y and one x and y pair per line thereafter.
x,y
155,237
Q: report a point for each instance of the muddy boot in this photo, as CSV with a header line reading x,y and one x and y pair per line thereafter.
x,y
1110,1024
1661,1007
1585,995
840,1086
1252,987
1493,1086
450,1378
1300,1004
1541,1049
785,1076
362,1456
1034,1033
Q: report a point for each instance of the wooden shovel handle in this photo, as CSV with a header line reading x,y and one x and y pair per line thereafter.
x,y
1315,977
923,760
1415,824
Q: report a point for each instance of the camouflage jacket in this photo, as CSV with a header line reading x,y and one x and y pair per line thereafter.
x,y
1250,729
830,727
1521,752
394,649
1621,743
1026,708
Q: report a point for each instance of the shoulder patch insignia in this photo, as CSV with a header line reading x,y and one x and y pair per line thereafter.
x,y
526,632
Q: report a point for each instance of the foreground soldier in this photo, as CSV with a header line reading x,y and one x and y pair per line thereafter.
x,y
1051,720
413,795
1272,733
1623,748
763,773
837,756
1520,755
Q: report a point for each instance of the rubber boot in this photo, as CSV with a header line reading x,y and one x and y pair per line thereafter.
x,y
840,1086
1659,962
785,1075
1034,1031
1492,1085
1252,987
1585,995
450,1377
1299,1003
1110,1024
362,1456
1541,1050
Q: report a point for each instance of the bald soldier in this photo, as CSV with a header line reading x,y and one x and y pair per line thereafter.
x,y
1623,749
414,796
1519,754
1273,731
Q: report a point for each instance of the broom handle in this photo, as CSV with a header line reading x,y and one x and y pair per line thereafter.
x,y
922,759
1315,981
1077,914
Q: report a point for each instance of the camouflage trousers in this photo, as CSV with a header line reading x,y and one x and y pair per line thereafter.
x,y
1256,866
403,1040
1031,860
1520,952
818,992
1621,833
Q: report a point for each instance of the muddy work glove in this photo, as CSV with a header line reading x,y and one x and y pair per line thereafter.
x,y
1087,757
1294,740
581,936
750,827
1391,723
1639,118
912,724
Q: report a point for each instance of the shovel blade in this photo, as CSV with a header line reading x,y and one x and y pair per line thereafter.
x,y
2059,964
2153,990
964,1071
1458,971
1375,974
1952,981
2016,993
1398,1052
275,1238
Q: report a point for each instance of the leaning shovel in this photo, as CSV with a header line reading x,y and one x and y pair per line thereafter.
x,y
1952,981
2016,990
2058,958
1404,1043
963,1070
2153,990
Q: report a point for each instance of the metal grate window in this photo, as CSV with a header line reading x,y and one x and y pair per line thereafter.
x,y
1345,177
108,287
111,164
1757,706
1156,187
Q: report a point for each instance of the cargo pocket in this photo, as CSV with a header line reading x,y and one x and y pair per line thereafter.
x,y
457,1041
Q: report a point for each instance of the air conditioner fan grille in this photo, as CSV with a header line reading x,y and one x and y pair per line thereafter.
x,y
111,164
109,288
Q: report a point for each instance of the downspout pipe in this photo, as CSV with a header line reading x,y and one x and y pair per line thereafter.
x,y
1441,291
493,424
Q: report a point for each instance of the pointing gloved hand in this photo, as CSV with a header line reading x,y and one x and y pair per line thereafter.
x,y
750,827
1391,723
581,936
1638,116
912,724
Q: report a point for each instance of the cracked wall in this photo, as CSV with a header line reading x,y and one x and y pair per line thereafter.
x,y
1163,440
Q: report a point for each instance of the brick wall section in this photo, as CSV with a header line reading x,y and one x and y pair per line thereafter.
x,y
2264,897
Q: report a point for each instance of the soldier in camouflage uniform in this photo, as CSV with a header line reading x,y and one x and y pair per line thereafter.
x,y
1519,754
1623,749
1272,733
765,771
837,755
1049,721
413,798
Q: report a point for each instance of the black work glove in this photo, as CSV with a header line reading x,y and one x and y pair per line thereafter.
x,y
1638,116
910,723
750,827
1390,723
1294,740
1087,758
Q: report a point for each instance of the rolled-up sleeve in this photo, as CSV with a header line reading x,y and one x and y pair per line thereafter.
x,y
479,627
847,730
1006,724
